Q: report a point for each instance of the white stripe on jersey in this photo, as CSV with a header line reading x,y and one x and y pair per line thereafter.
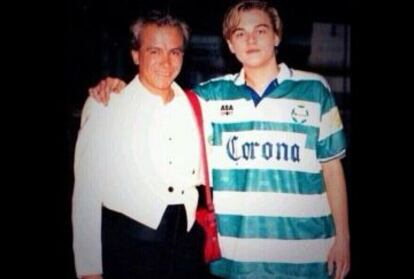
x,y
330,124
267,112
304,75
220,158
275,250
271,204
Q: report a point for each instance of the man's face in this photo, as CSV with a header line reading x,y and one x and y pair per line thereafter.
x,y
253,39
160,56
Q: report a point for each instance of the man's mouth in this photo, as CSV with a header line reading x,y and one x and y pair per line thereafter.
x,y
164,74
254,50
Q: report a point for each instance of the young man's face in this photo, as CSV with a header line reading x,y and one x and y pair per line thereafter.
x,y
160,56
253,39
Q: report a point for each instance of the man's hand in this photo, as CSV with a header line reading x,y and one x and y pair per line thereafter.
x,y
95,276
103,89
339,258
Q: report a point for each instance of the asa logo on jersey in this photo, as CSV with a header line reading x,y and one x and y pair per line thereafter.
x,y
300,114
226,109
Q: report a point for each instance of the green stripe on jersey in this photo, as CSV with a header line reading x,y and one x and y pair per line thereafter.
x,y
218,90
252,270
332,145
287,228
281,181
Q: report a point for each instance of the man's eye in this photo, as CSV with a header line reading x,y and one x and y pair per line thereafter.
x,y
239,34
177,53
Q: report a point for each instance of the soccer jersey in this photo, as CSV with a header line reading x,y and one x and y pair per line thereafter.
x,y
265,154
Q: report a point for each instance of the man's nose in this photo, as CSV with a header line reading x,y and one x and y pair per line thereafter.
x,y
251,37
166,60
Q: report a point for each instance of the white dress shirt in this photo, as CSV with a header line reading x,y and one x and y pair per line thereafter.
x,y
135,156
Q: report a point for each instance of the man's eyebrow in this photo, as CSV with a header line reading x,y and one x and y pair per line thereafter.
x,y
256,26
178,48
237,29
262,25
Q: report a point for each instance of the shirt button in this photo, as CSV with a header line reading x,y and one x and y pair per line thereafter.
x,y
193,172
182,192
170,189
170,139
169,162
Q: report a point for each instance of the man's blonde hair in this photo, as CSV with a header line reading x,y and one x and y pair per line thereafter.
x,y
160,19
232,16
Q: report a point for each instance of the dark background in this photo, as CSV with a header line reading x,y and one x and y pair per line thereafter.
x,y
96,45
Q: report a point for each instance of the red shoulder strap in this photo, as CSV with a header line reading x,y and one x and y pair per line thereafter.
x,y
195,104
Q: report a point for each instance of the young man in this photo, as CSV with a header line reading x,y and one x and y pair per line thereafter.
x,y
279,188
276,140
136,168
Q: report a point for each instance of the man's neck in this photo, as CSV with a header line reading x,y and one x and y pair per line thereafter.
x,y
258,78
167,97
166,94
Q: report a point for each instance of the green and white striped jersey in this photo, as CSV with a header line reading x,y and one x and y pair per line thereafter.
x,y
265,155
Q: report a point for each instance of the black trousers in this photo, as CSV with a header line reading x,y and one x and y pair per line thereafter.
x,y
132,250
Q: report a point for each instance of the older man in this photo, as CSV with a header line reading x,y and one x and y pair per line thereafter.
x,y
137,167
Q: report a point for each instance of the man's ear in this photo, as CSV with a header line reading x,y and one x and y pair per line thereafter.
x,y
230,46
277,40
135,56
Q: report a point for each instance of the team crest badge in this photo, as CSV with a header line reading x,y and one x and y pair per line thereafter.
x,y
300,114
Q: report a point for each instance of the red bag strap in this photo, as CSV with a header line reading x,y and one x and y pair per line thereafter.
x,y
195,104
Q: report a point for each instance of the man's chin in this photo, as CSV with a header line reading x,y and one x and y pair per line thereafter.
x,y
253,63
163,85
164,82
